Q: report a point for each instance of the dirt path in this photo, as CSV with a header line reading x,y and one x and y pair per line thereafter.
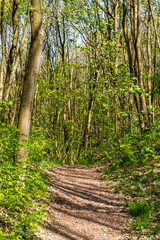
x,y
84,208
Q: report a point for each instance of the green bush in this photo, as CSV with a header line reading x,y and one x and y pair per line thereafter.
x,y
86,158
135,169
138,208
23,190
41,149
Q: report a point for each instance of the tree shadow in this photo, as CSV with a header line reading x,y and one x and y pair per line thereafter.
x,y
94,188
77,200
85,207
83,194
65,232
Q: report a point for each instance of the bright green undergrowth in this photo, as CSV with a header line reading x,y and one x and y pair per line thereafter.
x,y
136,174
23,191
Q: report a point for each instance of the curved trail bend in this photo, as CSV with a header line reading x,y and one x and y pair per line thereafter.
x,y
84,208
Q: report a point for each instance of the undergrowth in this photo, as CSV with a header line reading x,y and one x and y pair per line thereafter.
x,y
136,175
23,191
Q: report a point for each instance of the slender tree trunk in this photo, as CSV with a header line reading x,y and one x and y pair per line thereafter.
x,y
62,39
135,60
116,99
70,107
87,127
17,58
37,36
3,49
12,52
154,24
149,66
137,28
149,58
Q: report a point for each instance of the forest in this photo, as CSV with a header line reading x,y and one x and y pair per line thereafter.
x,y
79,86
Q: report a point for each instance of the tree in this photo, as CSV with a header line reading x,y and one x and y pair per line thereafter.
x,y
36,46
3,49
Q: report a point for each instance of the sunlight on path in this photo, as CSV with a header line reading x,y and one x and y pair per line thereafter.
x,y
84,207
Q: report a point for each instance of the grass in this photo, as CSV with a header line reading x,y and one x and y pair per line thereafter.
x,y
140,189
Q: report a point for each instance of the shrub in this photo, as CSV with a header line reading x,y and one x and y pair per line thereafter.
x,y
23,190
138,208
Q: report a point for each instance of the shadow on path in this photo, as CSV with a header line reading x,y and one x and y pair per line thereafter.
x,y
83,207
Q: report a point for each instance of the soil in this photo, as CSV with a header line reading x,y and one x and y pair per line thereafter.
x,y
83,207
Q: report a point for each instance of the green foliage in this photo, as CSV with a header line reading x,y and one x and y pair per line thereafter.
x,y
8,142
86,158
23,191
138,208
135,150
156,78
135,169
39,147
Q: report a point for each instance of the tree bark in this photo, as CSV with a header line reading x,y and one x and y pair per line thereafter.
x,y
12,52
135,59
154,25
138,58
37,36
3,49
116,99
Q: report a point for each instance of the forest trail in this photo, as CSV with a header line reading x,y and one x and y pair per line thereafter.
x,y
84,208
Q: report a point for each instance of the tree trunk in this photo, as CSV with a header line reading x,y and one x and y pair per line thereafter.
x,y
37,36
116,99
12,52
135,59
139,58
87,127
3,49
154,24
